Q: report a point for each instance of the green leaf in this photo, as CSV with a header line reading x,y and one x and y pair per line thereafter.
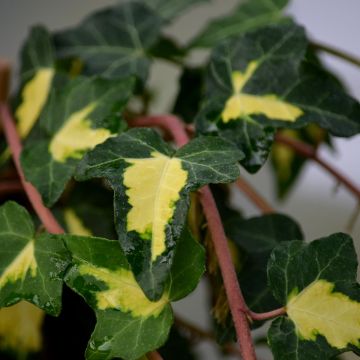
x,y
89,215
128,323
190,93
167,48
77,118
113,42
317,284
31,267
258,236
168,9
259,81
248,16
152,183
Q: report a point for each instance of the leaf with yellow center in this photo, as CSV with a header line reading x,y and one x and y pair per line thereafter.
x,y
76,136
123,292
79,115
35,94
241,104
319,310
128,324
152,183
153,187
317,284
31,266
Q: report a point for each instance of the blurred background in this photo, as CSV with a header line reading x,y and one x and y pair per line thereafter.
x,y
316,202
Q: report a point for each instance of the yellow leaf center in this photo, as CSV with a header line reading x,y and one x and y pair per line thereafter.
x,y
20,266
241,104
77,136
153,187
318,310
34,95
123,292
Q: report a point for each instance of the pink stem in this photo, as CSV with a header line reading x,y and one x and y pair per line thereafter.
x,y
234,295
13,139
267,315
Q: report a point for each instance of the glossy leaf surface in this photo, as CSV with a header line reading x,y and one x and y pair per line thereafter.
x,y
259,81
152,183
317,284
128,323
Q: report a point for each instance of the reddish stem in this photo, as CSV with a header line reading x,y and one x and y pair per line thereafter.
x,y
234,295
308,151
13,139
254,196
267,315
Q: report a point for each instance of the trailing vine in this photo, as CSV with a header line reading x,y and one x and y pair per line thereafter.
x,y
130,210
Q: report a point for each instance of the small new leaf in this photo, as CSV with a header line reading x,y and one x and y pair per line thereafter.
x,y
317,284
152,183
128,323
113,42
31,267
77,118
260,81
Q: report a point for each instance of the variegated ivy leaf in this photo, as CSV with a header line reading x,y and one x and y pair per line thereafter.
x,y
37,74
248,16
317,284
76,118
128,323
152,183
169,9
31,267
258,82
113,42
20,329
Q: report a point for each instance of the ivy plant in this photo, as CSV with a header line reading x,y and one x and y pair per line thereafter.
x,y
109,213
